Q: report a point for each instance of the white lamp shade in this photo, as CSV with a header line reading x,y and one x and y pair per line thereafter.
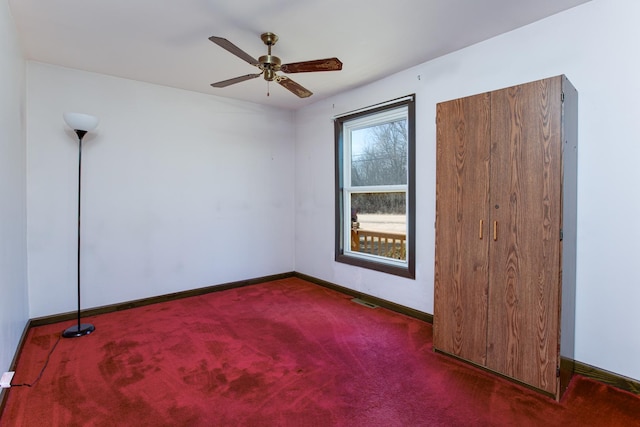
x,y
80,121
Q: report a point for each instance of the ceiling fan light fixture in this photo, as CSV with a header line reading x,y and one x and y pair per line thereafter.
x,y
269,75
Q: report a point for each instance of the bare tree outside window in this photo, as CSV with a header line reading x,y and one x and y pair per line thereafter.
x,y
383,159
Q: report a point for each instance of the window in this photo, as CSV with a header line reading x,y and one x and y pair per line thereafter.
x,y
375,187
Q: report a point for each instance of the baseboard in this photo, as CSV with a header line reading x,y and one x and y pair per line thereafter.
x,y
46,320
411,312
615,380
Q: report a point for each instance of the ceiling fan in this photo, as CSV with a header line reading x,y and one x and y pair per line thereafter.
x,y
270,64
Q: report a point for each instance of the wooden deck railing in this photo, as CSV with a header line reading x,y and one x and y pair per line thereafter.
x,y
390,245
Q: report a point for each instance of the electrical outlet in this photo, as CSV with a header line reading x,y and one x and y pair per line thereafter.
x,y
5,381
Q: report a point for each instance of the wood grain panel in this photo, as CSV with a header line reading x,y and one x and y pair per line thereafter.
x,y
461,259
526,203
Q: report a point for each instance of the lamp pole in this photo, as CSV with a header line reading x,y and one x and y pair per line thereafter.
x,y
81,124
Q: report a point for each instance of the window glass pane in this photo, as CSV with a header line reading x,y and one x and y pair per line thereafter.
x,y
379,224
379,154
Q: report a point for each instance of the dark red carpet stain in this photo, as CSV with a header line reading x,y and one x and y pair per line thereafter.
x,y
283,353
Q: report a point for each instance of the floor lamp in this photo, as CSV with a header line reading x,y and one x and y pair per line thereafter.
x,y
81,124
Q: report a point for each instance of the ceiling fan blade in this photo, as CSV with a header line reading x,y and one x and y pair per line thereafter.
x,y
294,87
226,44
235,80
327,64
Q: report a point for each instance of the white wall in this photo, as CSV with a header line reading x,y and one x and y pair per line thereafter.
x,y
596,46
180,190
13,254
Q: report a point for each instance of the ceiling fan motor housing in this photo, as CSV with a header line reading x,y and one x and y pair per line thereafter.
x,y
270,64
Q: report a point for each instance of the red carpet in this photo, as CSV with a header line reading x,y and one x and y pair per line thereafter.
x,y
283,353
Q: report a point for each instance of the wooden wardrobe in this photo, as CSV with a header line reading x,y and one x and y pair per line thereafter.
x,y
506,232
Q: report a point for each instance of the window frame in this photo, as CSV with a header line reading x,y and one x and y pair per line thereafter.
x,y
373,262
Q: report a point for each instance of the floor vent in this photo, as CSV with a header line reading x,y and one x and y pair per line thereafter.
x,y
365,303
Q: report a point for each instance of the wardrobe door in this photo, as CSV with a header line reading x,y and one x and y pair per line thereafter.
x,y
525,206
461,259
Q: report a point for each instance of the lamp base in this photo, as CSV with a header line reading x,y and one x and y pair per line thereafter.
x,y
73,331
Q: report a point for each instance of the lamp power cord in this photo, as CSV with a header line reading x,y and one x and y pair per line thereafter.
x,y
31,384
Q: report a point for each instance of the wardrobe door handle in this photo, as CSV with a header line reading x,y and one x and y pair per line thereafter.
x,y
481,227
495,230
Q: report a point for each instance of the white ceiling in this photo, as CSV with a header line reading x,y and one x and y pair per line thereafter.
x,y
166,41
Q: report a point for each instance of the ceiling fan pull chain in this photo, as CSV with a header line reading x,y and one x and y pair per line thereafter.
x,y
268,94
